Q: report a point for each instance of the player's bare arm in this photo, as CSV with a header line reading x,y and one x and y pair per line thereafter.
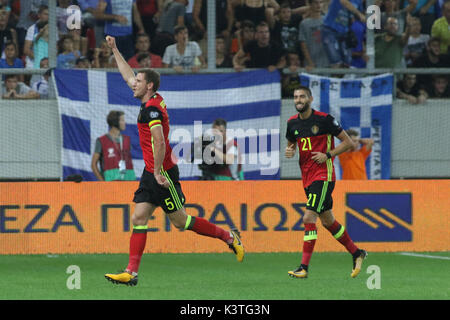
x,y
346,144
290,149
367,142
125,70
159,150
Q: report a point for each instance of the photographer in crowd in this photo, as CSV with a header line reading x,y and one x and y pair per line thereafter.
x,y
225,158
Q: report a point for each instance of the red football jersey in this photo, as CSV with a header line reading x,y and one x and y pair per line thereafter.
x,y
315,134
154,113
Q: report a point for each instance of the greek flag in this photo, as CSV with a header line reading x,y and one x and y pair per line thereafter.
x,y
248,101
363,104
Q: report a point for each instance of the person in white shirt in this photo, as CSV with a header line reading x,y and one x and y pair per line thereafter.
x,y
184,54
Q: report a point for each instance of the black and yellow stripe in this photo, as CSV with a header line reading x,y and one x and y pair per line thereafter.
x,y
173,191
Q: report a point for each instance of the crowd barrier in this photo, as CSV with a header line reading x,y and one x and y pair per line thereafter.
x,y
95,217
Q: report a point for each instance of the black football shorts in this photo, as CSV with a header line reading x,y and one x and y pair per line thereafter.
x,y
170,200
319,197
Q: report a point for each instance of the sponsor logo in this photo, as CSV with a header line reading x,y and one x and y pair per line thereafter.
x,y
379,217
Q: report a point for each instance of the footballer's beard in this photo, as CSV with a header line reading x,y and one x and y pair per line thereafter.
x,y
303,108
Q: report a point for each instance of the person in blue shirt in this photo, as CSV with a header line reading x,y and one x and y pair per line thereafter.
x,y
335,30
68,56
119,16
11,60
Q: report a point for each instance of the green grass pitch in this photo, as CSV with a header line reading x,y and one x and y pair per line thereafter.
x,y
262,276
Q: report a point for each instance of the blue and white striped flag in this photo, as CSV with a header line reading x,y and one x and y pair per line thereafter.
x,y
248,101
363,104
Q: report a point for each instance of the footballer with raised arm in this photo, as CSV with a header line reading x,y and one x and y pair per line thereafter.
x,y
313,132
159,184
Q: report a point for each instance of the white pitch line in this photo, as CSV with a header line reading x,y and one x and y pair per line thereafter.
x,y
423,256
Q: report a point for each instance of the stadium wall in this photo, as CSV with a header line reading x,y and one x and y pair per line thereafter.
x,y
31,135
95,217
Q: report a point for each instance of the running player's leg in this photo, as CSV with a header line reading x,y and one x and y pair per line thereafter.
x,y
340,234
143,211
203,227
172,201
138,239
309,240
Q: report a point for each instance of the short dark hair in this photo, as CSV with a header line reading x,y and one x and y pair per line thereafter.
x,y
152,76
262,24
113,118
248,24
11,43
178,29
219,122
434,39
307,89
9,76
42,7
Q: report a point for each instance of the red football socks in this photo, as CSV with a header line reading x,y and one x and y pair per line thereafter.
x,y
137,246
340,234
309,241
205,228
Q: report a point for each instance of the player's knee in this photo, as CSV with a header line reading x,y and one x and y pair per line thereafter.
x,y
138,220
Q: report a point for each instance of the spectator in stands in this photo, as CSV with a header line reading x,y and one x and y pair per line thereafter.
x,y
150,13
80,43
300,9
67,56
40,44
285,30
409,89
431,58
13,89
353,161
41,86
223,59
425,11
310,37
335,30
102,56
290,81
439,89
143,46
224,18
389,46
417,42
184,54
62,16
391,9
262,52
256,10
172,16
441,28
242,36
11,60
144,60
82,63
94,19
227,154
35,77
113,151
32,32
359,56
125,14
28,16
7,33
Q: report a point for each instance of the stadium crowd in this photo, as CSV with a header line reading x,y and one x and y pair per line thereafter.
x,y
269,34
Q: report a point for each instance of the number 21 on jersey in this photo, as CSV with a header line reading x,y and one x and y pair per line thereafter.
x,y
306,144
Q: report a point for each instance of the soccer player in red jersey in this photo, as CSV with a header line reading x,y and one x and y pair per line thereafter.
x,y
313,131
159,185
